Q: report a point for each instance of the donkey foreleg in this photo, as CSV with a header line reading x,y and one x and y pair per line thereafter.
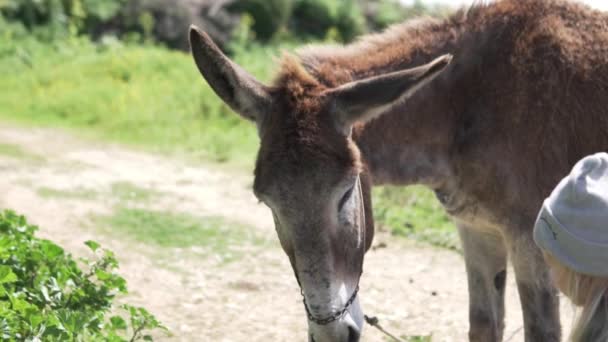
x,y
539,300
486,261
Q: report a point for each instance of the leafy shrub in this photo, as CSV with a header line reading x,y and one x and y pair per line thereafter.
x,y
385,13
314,17
47,295
269,16
350,21
317,18
56,18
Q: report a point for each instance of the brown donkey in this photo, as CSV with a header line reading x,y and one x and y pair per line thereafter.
x,y
492,132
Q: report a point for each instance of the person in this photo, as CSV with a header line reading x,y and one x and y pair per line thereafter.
x,y
572,231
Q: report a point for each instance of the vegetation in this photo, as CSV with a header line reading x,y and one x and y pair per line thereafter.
x,y
269,16
50,19
213,235
138,95
137,19
414,212
16,152
78,194
48,295
121,191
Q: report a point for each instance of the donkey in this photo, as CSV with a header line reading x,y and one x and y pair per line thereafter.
x,y
491,132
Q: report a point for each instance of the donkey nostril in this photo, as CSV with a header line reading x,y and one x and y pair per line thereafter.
x,y
353,335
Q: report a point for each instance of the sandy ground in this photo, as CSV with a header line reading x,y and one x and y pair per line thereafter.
x,y
413,288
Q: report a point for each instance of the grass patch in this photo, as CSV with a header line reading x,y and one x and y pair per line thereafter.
x,y
11,150
15,151
78,193
121,191
145,96
418,338
176,230
414,212
126,191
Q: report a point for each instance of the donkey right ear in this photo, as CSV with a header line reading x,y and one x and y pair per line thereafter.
x,y
239,90
369,98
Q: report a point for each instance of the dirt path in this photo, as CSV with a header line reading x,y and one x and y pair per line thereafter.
x,y
414,289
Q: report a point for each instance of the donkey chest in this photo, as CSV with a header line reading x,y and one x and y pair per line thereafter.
x,y
467,209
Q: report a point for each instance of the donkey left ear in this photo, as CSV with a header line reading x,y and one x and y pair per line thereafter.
x,y
366,99
239,90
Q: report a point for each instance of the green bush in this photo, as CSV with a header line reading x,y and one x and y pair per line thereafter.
x,y
386,13
313,17
47,295
50,19
317,18
269,16
350,21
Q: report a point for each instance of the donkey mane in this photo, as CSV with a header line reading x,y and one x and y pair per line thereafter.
x,y
546,60
570,25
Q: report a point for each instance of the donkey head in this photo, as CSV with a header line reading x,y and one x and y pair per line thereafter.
x,y
309,172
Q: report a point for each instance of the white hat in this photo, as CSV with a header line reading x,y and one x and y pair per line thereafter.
x,y
573,222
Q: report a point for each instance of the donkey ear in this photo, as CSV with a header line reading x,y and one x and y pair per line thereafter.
x,y
366,99
241,91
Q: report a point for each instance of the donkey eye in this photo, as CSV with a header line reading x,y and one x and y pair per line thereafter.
x,y
345,197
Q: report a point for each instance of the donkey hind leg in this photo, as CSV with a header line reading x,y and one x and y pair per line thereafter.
x,y
486,264
539,298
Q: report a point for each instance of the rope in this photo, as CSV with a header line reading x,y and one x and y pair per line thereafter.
x,y
514,334
373,321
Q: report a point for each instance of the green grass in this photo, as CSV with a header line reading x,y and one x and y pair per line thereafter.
x,y
120,191
126,191
140,95
11,150
177,230
417,338
78,193
414,212
17,152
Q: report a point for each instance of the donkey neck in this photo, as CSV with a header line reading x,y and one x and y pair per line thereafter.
x,y
410,143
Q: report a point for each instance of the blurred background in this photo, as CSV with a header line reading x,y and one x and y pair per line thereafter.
x,y
109,133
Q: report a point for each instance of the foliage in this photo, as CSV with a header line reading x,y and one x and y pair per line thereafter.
x,y
386,13
167,21
350,21
383,13
269,16
47,295
317,18
51,19
314,17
